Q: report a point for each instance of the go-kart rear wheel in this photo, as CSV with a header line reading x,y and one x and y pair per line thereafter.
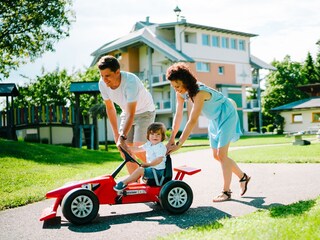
x,y
176,197
80,206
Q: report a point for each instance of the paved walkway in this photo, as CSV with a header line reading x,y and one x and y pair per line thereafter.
x,y
271,185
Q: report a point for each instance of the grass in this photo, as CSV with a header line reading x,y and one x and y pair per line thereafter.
x,y
295,221
278,154
29,170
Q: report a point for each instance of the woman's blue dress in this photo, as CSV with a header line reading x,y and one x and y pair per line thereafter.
x,y
224,125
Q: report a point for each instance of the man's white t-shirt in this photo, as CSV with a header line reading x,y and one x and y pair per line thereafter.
x,y
130,89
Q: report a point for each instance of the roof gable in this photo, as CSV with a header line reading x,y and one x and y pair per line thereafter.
x,y
8,89
306,103
84,87
146,36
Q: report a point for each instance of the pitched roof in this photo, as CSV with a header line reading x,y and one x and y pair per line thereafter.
x,y
306,103
192,25
8,89
258,63
146,36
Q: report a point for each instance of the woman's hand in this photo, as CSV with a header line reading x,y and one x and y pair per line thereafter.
x,y
172,148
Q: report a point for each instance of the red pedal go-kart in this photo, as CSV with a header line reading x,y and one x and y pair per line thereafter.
x,y
80,201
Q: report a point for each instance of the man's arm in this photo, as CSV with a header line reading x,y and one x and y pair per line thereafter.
x,y
112,115
130,112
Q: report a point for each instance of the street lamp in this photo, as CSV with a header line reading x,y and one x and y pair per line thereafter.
x,y
177,11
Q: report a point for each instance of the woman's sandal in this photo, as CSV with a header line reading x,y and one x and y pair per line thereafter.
x,y
245,179
223,196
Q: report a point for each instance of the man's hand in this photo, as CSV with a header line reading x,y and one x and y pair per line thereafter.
x,y
122,143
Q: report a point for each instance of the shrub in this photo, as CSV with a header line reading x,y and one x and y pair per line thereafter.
x,y
270,128
264,129
253,129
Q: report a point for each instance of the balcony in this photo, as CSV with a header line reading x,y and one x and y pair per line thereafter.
x,y
252,106
163,106
159,79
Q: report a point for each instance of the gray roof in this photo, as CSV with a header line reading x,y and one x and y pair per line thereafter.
x,y
258,63
84,87
192,25
306,103
8,89
146,36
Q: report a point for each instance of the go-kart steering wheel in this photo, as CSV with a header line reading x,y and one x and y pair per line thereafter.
x,y
128,157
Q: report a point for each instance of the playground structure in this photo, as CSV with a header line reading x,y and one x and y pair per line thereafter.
x,y
48,124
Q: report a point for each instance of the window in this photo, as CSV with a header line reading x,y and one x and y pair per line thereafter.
x,y
242,45
202,67
297,118
215,41
220,70
316,117
225,42
190,37
205,40
234,43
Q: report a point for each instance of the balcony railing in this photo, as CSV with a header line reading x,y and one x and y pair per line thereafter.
x,y
163,105
159,78
253,104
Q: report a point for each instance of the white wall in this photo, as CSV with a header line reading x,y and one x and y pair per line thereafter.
x,y
298,127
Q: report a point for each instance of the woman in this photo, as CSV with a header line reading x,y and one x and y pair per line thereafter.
x,y
223,128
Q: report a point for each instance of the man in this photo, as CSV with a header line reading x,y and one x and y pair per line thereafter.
x,y
138,109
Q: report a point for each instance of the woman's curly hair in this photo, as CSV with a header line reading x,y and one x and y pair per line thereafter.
x,y
181,71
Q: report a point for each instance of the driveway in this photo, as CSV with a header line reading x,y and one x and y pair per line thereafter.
x,y
270,185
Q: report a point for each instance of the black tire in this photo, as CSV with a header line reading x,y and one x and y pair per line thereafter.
x,y
80,206
176,197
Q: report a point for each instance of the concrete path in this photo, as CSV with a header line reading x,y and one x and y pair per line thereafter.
x,y
271,185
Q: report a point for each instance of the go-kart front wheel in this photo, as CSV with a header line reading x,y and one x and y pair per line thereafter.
x,y
80,206
176,197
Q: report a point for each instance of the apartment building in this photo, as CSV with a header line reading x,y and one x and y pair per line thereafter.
x,y
218,57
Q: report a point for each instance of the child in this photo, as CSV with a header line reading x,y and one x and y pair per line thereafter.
x,y
155,153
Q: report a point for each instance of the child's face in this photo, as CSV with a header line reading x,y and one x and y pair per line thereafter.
x,y
155,137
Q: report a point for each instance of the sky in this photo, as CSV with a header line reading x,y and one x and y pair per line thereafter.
x,y
284,27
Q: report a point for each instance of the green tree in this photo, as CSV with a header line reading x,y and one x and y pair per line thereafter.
x,y
52,88
317,62
281,85
309,70
29,28
90,74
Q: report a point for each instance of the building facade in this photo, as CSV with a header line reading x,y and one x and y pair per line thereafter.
x,y
220,58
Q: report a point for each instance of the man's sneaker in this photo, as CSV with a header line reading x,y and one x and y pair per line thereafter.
x,y
119,187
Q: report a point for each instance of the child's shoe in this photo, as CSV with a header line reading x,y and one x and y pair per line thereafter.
x,y
119,187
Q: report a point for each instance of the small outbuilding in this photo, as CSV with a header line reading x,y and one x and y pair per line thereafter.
x,y
7,127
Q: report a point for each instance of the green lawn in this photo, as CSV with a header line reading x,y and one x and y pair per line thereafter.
x,y
296,221
29,170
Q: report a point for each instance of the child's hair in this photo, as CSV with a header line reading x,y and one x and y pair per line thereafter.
x,y
156,127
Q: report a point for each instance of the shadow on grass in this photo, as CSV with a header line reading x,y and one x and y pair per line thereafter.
x,y
277,209
294,209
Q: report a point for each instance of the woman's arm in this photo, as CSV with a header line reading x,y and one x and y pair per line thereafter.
x,y
193,118
177,118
